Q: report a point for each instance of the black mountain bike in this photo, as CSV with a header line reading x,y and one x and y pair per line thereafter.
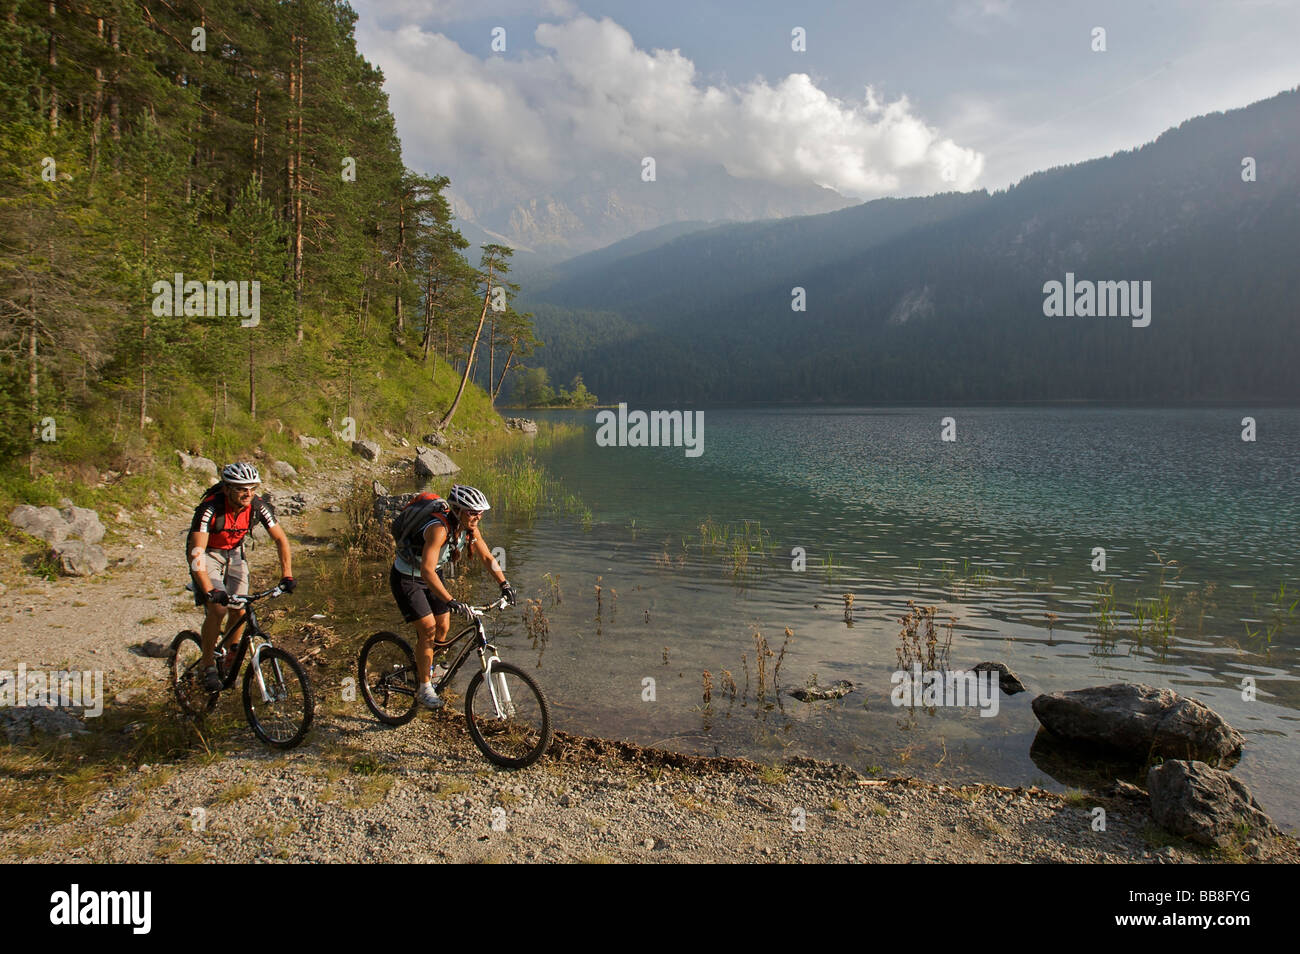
x,y
508,717
278,699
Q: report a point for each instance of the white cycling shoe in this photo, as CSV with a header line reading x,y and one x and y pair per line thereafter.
x,y
427,697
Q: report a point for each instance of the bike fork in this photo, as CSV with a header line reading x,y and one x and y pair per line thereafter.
x,y
498,689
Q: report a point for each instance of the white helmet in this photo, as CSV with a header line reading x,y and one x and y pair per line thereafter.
x,y
468,498
240,473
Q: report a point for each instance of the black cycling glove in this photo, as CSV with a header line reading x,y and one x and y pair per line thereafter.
x,y
288,584
456,606
508,592
218,596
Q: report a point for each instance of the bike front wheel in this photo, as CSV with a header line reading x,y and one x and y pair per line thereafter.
x,y
184,664
281,716
509,718
386,672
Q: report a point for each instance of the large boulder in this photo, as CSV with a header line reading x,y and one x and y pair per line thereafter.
x,y
306,442
435,439
366,449
284,470
43,522
78,558
83,523
1204,804
1140,721
201,464
433,463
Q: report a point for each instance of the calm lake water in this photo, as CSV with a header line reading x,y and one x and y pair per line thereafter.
x,y
997,529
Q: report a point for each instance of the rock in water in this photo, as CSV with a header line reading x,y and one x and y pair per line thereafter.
x,y
433,463
366,449
819,693
1007,680
521,424
1140,721
1203,804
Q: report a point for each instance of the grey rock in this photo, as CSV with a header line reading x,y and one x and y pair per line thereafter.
x,y
1204,804
819,693
78,558
84,523
521,424
43,522
159,647
435,439
127,696
202,464
379,489
21,722
366,449
306,443
284,470
1007,680
433,463
1140,721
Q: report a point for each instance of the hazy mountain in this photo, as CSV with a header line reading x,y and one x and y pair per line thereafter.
x,y
942,298
597,211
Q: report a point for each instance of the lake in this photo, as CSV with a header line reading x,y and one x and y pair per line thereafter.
x,y
998,529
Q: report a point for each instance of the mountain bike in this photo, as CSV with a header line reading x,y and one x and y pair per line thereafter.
x,y
278,701
507,714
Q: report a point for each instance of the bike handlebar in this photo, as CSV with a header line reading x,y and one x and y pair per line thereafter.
x,y
502,603
239,600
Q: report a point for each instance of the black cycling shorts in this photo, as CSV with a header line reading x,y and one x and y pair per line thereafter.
x,y
414,598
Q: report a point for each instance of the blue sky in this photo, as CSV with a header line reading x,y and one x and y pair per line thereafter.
x,y
964,94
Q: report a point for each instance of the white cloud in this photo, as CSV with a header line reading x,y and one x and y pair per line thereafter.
x,y
590,97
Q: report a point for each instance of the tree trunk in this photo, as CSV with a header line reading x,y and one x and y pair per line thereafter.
x,y
295,182
145,312
401,250
501,380
53,60
492,356
114,101
469,365
252,381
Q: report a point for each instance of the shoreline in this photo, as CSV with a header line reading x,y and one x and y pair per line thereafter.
x,y
359,791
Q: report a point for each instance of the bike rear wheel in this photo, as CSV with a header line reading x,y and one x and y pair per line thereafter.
x,y
511,725
184,664
282,720
386,674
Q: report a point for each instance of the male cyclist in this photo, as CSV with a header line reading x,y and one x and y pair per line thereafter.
x,y
419,590
216,548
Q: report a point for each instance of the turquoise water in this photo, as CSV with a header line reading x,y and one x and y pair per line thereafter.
x,y
996,529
